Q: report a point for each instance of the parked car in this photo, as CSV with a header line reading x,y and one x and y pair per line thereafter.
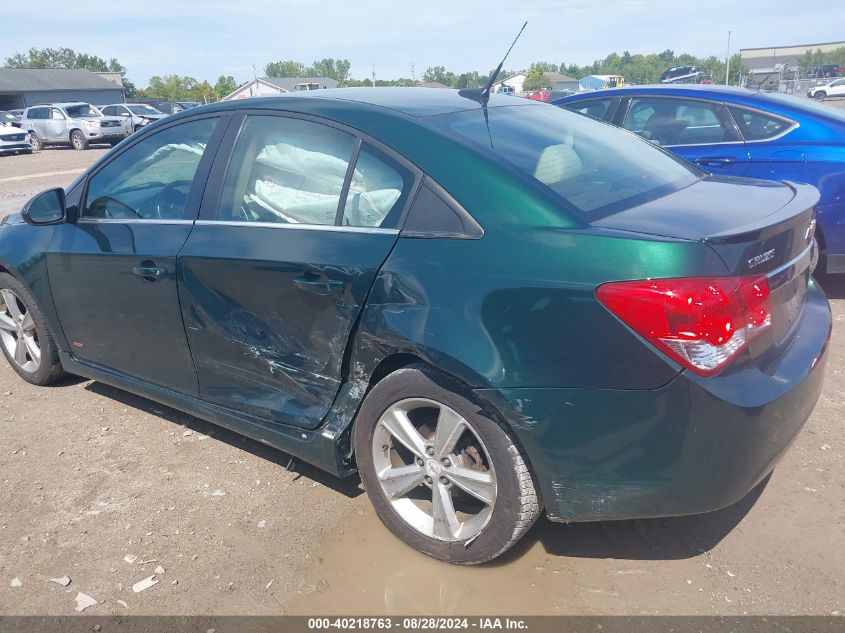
x,y
485,310
13,140
834,89
8,119
505,89
139,114
737,132
77,124
676,73
172,107
825,71
16,113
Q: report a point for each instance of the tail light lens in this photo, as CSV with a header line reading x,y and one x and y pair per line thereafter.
x,y
701,322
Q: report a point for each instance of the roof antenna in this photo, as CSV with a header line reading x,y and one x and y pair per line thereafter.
x,y
482,95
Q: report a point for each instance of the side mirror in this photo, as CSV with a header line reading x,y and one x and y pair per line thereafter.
x,y
47,207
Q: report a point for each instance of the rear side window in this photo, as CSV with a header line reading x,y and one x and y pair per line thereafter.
x,y
757,126
669,121
593,167
37,113
377,191
287,171
596,108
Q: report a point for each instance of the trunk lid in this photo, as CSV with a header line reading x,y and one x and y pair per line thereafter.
x,y
757,227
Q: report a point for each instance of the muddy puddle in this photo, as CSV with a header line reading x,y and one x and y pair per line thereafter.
x,y
626,567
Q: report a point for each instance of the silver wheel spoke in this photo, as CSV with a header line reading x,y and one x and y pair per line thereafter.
x,y
400,427
20,352
450,427
479,484
32,348
402,479
11,302
6,323
446,523
27,324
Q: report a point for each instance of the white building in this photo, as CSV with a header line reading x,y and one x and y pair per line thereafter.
x,y
271,86
555,81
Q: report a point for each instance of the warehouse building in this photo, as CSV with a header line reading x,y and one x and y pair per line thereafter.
x,y
23,87
271,86
773,59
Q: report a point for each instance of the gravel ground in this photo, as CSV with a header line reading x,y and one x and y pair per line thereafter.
x,y
104,487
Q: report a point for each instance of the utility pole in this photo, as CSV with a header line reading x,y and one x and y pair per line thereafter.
x,y
413,76
374,75
728,61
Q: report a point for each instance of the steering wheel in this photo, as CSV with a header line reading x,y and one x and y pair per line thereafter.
x,y
112,209
170,201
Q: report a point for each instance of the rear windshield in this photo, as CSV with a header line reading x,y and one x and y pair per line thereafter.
x,y
597,169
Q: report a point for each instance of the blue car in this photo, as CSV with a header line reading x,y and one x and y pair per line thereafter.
x,y
737,132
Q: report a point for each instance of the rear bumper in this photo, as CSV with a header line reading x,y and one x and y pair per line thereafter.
x,y
694,445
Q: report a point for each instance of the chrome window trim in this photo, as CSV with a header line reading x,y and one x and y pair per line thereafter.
x,y
90,220
795,124
303,227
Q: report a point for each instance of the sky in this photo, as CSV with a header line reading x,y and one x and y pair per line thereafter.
x,y
209,38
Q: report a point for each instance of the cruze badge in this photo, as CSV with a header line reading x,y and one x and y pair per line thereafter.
x,y
761,259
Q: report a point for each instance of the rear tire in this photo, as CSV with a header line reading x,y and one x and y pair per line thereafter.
x,y
25,338
463,460
78,140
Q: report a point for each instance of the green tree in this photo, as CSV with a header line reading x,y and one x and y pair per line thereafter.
x,y
535,79
171,88
69,58
225,85
289,68
337,69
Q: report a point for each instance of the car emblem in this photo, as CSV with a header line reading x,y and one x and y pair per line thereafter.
x,y
811,229
760,259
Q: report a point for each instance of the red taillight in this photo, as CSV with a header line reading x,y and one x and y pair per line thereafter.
x,y
701,322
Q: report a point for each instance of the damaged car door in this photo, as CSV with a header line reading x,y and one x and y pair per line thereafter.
x,y
113,270
278,266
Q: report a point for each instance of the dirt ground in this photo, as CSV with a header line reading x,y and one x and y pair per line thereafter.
x,y
104,487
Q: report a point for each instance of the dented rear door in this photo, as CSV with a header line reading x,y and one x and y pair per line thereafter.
x,y
269,295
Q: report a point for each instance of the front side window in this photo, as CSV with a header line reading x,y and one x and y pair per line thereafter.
x,y
667,121
756,126
286,170
595,108
151,179
81,110
57,114
594,168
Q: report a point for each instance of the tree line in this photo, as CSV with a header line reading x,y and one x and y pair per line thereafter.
x,y
636,68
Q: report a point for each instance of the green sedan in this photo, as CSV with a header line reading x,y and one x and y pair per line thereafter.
x,y
486,309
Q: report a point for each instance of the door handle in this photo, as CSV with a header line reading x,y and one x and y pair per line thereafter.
x,y
317,283
715,161
148,271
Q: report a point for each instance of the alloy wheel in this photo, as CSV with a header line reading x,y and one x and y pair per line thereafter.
x,y
434,470
18,333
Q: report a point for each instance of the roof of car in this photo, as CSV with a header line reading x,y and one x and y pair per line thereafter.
x,y
415,102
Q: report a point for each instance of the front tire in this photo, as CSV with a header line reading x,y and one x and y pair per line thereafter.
x,y
820,96
36,143
25,339
78,140
442,473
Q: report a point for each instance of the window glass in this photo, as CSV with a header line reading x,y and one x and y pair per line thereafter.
x,y
81,110
596,108
667,121
377,191
57,114
38,113
151,179
756,126
592,166
109,110
286,170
